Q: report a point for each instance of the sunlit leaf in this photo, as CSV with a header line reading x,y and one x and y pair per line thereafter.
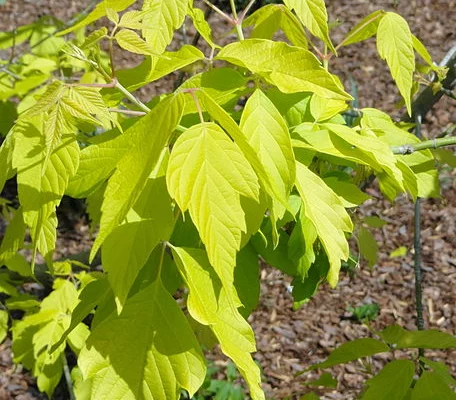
x,y
209,304
291,69
207,175
267,133
157,364
395,45
163,17
328,216
313,15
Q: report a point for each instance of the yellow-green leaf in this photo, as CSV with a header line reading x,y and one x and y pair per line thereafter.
x,y
155,364
41,187
395,45
130,41
207,175
153,67
202,26
94,38
162,19
98,12
328,216
313,15
267,133
149,136
132,19
129,246
230,126
364,29
209,304
291,69
269,19
112,15
422,163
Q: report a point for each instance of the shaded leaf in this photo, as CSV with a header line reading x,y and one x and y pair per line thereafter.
x,y
392,382
350,351
150,135
400,338
431,386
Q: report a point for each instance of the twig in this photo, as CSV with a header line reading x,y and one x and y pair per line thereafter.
x,y
417,256
246,10
127,112
427,144
66,372
427,98
130,97
220,12
10,73
197,103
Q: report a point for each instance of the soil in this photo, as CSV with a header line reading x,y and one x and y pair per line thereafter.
x,y
290,341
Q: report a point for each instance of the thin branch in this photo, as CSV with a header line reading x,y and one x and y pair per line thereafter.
x,y
127,112
233,10
108,85
220,12
246,10
130,97
67,374
191,91
426,99
427,144
10,73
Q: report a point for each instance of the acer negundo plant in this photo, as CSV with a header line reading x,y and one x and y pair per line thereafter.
x,y
191,188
